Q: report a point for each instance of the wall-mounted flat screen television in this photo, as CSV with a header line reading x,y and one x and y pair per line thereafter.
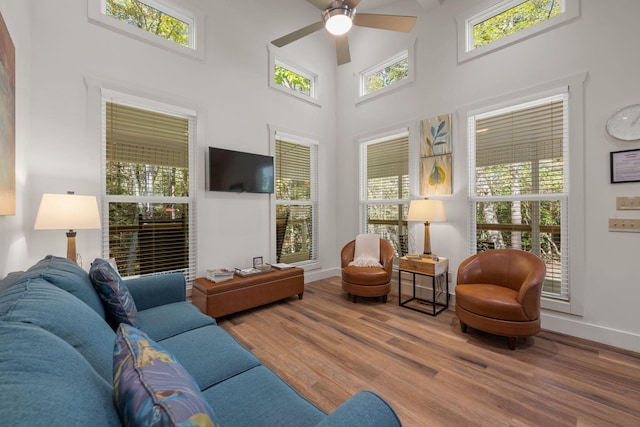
x,y
239,172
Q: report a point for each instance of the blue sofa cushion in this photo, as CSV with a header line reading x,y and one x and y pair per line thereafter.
x,y
210,354
118,303
172,319
46,382
152,388
38,302
258,397
68,276
10,280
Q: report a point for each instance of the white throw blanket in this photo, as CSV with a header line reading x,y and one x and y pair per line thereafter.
x,y
367,252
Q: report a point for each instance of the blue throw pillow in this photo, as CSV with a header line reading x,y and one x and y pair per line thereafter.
x,y
151,386
118,302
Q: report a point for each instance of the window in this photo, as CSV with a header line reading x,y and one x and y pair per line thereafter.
x,y
296,204
499,24
394,70
384,189
390,74
148,203
519,184
292,79
152,21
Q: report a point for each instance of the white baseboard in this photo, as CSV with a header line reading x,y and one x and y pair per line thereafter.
x,y
601,334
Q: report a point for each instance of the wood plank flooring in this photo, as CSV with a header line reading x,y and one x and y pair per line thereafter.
x,y
432,374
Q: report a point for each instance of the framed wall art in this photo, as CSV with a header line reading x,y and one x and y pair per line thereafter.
x,y
625,166
435,156
7,122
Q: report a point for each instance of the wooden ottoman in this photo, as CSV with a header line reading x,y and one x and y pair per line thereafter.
x,y
243,293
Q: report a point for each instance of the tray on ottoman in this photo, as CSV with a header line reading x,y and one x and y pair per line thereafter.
x,y
243,293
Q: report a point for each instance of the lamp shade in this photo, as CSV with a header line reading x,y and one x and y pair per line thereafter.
x,y
426,211
67,212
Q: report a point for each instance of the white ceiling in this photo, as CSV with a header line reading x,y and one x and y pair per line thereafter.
x,y
368,5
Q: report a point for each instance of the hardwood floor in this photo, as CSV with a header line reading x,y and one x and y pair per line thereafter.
x,y
432,374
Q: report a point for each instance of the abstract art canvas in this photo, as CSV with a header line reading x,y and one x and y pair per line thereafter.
x,y
435,175
7,122
435,156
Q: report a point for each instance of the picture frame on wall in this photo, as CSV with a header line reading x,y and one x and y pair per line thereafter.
x,y
7,122
257,261
436,156
625,166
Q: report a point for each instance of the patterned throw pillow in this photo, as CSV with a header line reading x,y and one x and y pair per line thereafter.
x,y
151,386
118,302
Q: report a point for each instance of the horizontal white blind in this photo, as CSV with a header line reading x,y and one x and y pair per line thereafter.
x,y
293,171
296,166
147,191
388,158
141,136
519,197
386,190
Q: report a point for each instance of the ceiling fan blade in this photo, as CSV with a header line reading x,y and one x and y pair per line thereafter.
x,y
291,37
321,4
342,49
385,22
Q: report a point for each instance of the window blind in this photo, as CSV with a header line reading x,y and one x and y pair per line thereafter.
x,y
135,135
385,190
519,193
149,210
296,201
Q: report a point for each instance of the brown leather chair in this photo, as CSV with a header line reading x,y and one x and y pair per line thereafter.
x,y
498,291
367,281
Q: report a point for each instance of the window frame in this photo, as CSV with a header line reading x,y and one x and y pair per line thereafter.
x,y
408,53
291,66
570,10
296,138
364,201
96,11
574,178
108,95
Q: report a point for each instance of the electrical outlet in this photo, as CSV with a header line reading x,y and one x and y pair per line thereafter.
x,y
626,225
628,203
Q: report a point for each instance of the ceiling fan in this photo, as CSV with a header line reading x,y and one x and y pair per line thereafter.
x,y
337,18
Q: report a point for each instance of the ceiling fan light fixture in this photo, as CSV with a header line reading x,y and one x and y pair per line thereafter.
x,y
338,20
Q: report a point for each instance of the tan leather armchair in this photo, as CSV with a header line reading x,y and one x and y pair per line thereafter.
x,y
498,291
367,281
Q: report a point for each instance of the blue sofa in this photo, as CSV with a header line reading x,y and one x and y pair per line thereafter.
x,y
56,357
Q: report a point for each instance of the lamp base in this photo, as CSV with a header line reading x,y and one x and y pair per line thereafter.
x,y
427,239
71,245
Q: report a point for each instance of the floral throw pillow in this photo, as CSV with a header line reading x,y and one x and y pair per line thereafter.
x,y
152,388
113,292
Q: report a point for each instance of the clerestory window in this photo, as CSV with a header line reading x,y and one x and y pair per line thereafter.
x,y
292,79
388,75
161,23
496,24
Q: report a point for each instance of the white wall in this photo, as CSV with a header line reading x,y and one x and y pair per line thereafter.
x,y
58,52
600,43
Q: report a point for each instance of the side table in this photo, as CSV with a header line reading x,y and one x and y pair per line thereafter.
x,y
438,271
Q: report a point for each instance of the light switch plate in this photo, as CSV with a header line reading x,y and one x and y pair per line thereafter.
x,y
625,225
628,203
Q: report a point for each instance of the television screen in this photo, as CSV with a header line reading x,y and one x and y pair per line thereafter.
x,y
239,172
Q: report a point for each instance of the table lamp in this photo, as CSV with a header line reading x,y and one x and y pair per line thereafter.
x,y
68,212
426,210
